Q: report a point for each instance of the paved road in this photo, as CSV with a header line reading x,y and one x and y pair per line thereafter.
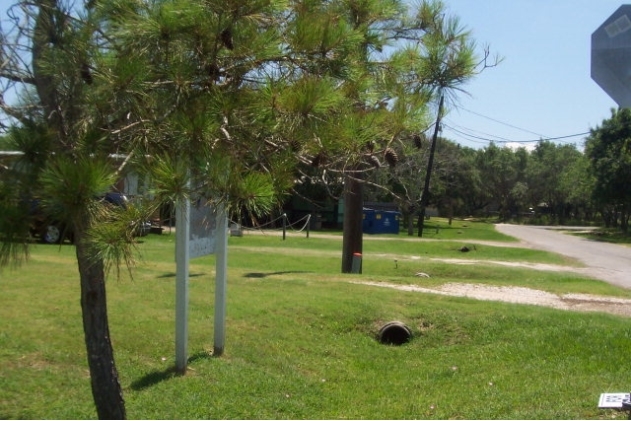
x,y
608,262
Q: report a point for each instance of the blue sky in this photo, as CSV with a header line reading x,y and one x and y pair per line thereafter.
x,y
543,88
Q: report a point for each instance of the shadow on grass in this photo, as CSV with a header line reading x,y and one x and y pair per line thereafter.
x,y
173,275
264,275
156,377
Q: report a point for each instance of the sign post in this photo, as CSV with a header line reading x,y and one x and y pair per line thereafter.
x,y
221,270
200,231
182,256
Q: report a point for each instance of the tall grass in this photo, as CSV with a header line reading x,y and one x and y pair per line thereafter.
x,y
301,340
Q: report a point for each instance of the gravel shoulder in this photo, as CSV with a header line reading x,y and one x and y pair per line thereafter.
x,y
608,262
520,295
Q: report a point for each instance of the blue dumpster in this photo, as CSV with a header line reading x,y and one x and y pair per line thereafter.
x,y
380,222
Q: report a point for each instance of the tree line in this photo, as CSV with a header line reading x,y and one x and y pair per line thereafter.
x,y
549,183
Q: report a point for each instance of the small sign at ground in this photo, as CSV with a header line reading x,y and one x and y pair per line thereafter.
x,y
613,400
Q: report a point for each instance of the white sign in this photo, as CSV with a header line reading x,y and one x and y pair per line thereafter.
x,y
203,231
613,400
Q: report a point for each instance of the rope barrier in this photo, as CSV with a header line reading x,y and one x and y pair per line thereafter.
x,y
285,225
307,218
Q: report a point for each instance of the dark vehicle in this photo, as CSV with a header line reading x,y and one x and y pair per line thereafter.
x,y
54,232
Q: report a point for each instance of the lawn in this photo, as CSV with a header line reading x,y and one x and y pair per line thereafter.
x,y
301,339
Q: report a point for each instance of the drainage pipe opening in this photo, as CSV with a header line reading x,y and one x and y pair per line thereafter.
x,y
394,333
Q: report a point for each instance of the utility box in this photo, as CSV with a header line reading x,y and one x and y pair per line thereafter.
x,y
380,222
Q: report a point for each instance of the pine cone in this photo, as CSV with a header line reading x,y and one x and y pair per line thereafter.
x,y
391,157
418,141
294,144
374,161
319,160
226,38
86,75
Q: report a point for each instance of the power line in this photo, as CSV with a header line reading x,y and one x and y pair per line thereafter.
x,y
516,141
455,127
502,122
469,136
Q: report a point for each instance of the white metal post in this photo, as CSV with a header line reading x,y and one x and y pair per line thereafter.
x,y
221,270
182,230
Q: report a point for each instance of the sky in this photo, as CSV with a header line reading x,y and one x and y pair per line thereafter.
x,y
543,87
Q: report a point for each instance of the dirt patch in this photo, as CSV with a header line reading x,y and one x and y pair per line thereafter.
x,y
521,295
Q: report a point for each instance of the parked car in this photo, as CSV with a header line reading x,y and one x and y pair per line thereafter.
x,y
54,232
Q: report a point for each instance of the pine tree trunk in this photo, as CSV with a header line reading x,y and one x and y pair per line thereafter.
x,y
106,389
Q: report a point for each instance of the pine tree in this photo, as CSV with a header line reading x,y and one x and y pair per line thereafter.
x,y
238,96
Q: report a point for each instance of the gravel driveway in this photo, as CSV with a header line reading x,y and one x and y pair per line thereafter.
x,y
608,262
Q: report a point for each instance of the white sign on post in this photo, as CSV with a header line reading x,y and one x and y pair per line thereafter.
x,y
203,231
200,231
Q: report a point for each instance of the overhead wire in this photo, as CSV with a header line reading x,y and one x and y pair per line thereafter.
x,y
503,123
469,136
486,139
465,131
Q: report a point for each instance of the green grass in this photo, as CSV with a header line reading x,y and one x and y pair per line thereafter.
x,y
301,340
610,235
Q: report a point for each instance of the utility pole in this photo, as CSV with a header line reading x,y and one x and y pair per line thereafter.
x,y
430,164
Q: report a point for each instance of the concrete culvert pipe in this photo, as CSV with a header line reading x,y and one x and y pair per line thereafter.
x,y
394,333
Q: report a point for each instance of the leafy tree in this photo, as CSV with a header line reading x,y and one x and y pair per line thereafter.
x,y
578,180
503,173
554,178
458,180
608,148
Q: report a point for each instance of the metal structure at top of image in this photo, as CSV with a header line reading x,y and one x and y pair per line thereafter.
x,y
611,56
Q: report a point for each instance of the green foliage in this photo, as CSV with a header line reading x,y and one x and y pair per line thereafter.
x,y
558,176
309,96
71,189
169,178
608,148
112,237
6,143
14,229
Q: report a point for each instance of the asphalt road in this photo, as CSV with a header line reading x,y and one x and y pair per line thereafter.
x,y
608,262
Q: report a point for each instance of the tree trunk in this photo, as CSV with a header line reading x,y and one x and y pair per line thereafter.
x,y
410,220
353,211
106,389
